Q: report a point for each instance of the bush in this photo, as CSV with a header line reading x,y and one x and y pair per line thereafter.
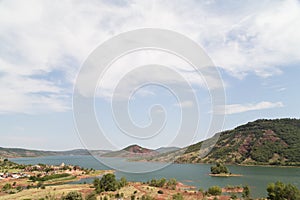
x,y
123,182
246,192
177,196
171,184
40,184
6,187
147,197
91,196
214,190
158,183
19,188
280,191
160,192
72,196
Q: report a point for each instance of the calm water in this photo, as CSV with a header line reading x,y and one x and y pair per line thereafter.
x,y
191,174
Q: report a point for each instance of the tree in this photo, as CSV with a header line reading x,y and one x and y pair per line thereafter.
x,y
246,192
279,191
108,182
171,184
72,196
91,196
219,168
158,183
123,182
214,190
96,184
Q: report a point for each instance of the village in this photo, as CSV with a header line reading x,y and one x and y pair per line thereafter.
x,y
42,170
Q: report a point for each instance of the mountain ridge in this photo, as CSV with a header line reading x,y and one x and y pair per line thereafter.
x,y
261,142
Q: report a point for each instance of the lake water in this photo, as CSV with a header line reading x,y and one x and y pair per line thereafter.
x,y
191,174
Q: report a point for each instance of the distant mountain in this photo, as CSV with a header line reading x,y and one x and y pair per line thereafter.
x,y
19,152
132,151
166,149
263,142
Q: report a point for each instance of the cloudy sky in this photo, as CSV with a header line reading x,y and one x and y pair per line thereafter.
x,y
255,46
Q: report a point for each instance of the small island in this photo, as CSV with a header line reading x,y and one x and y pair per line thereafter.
x,y
220,170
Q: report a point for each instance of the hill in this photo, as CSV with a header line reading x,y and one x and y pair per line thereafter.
x,y
262,142
19,152
132,151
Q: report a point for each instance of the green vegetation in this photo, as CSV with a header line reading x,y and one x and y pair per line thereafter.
x,y
214,190
177,196
6,187
91,196
219,168
108,182
9,166
72,196
262,142
280,191
147,197
169,184
48,177
158,183
246,192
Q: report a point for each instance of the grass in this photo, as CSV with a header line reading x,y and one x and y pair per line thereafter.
x,y
50,191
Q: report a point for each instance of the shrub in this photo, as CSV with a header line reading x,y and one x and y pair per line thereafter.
x,y
158,183
147,197
6,187
72,196
91,196
246,192
177,196
171,184
214,190
123,182
160,192
280,191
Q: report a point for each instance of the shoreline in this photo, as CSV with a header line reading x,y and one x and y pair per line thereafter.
x,y
225,175
129,160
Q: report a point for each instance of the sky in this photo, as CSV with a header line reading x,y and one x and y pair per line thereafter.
x,y
254,45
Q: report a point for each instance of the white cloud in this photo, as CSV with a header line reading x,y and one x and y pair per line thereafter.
x,y
263,41
240,108
185,104
39,37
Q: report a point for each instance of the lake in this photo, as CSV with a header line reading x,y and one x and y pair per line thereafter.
x,y
256,177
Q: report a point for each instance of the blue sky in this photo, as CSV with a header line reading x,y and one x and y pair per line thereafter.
x,y
255,46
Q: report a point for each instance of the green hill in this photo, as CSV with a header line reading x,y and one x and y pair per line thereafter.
x,y
19,152
262,142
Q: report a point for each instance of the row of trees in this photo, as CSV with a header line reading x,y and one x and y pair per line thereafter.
x,y
170,184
